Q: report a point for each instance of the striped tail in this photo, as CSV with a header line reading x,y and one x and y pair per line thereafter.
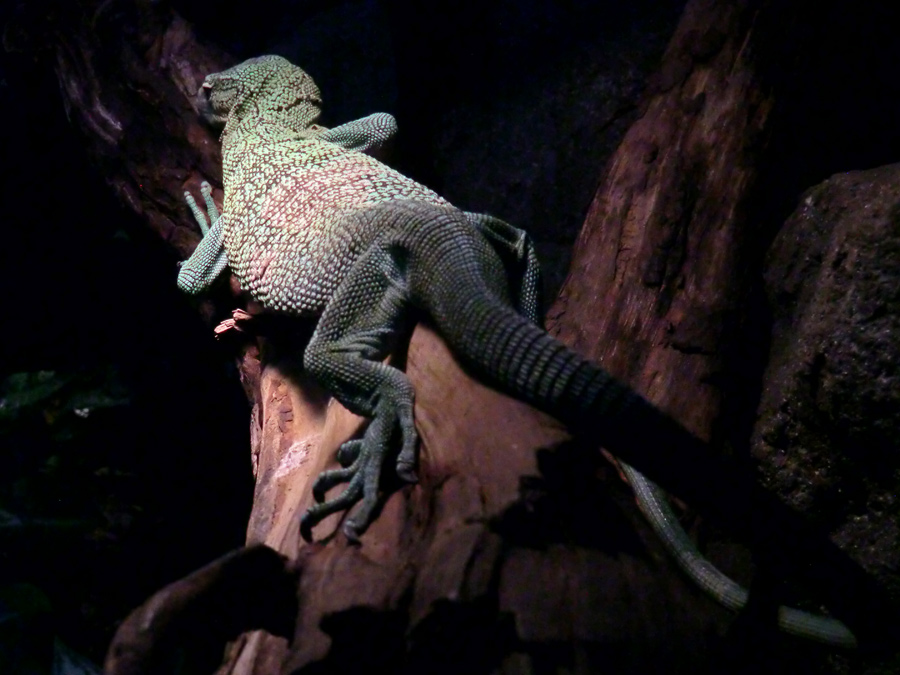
x,y
457,278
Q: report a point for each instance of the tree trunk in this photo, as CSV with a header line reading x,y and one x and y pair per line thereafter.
x,y
660,269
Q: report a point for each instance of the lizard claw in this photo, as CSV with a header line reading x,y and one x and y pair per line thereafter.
x,y
406,460
407,472
362,461
348,452
328,479
315,514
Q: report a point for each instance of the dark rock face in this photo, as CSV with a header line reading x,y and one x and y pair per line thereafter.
x,y
828,432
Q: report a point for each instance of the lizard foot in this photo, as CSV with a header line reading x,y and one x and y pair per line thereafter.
x,y
362,462
240,322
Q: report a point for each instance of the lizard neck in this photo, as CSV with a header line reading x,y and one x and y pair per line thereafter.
x,y
243,133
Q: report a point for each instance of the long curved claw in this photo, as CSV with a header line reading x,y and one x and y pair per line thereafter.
x,y
328,479
366,458
362,516
406,460
316,514
211,209
363,475
349,452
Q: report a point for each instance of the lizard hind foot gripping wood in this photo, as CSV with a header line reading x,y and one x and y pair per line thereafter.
x,y
314,226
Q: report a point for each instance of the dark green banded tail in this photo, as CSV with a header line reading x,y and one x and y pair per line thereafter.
x,y
456,277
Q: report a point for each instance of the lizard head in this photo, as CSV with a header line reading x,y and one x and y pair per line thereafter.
x,y
270,87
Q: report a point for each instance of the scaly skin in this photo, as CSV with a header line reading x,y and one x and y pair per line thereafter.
x,y
314,227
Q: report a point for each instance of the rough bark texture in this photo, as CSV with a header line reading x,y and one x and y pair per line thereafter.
x,y
661,274
829,417
658,276
128,73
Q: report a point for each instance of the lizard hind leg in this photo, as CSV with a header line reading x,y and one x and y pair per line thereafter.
x,y
356,332
517,252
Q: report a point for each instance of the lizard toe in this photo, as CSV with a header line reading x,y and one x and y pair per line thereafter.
x,y
315,514
349,452
328,479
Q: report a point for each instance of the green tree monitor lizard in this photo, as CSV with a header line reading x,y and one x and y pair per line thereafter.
x,y
313,226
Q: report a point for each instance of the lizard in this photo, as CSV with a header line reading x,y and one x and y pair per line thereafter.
x,y
315,227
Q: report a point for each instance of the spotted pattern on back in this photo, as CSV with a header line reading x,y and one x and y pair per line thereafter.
x,y
287,191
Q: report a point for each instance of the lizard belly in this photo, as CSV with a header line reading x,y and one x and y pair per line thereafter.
x,y
292,253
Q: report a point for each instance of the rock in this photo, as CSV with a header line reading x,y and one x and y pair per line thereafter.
x,y
828,429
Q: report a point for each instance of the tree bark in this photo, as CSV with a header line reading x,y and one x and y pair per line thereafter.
x,y
513,542
660,269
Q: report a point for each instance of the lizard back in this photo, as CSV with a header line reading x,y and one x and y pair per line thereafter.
x,y
285,233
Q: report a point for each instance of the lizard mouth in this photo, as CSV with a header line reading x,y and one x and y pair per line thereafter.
x,y
205,108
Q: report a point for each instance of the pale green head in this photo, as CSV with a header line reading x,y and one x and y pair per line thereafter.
x,y
269,87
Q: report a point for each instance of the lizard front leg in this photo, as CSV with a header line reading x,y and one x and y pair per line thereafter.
x,y
356,332
208,260
367,134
